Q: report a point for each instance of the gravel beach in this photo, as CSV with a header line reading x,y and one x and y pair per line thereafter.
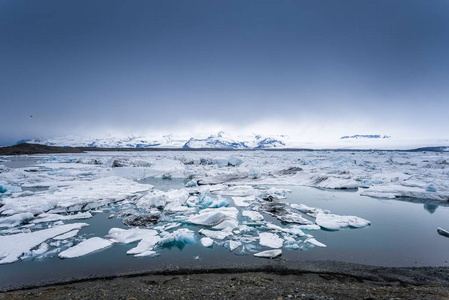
x,y
283,280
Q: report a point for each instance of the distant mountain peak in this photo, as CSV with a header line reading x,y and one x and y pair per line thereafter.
x,y
365,136
221,140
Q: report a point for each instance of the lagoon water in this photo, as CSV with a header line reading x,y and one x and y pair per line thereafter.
x,y
402,233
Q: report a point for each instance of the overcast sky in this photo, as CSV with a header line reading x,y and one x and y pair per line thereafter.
x,y
307,68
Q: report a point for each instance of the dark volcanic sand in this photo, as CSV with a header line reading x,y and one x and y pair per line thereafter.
x,y
285,280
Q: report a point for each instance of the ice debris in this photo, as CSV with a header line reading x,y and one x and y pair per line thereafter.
x,y
13,246
86,247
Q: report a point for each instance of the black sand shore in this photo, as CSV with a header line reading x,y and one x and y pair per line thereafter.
x,y
275,280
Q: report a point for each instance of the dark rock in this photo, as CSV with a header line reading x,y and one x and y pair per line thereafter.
x,y
143,220
290,171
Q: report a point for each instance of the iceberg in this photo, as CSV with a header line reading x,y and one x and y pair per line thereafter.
x,y
86,247
67,235
336,222
218,218
253,215
216,234
179,238
46,217
207,242
13,246
126,236
271,240
313,241
244,201
234,245
145,246
15,220
269,253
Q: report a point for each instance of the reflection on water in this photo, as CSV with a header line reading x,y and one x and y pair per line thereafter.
x,y
430,207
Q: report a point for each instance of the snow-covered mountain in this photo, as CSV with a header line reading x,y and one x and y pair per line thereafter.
x,y
365,136
227,141
167,141
218,141
224,141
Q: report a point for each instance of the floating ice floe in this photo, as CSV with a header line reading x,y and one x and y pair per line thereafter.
x,y
269,253
212,202
234,245
336,222
207,242
253,215
13,246
313,241
15,220
217,218
216,234
86,247
67,235
310,211
271,240
76,196
178,237
244,201
46,217
402,191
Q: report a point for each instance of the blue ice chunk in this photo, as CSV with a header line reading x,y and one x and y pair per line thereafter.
x,y
191,183
235,161
208,201
431,189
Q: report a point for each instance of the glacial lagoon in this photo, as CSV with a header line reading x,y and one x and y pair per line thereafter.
x,y
402,232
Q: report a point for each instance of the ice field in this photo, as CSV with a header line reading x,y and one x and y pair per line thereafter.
x,y
364,207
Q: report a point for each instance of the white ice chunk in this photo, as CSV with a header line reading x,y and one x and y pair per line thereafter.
x,y
253,215
296,231
269,253
207,242
67,235
311,211
150,253
271,240
15,220
234,245
145,245
398,191
215,217
313,241
41,250
45,217
13,246
86,247
243,201
336,222
216,234
294,218
75,196
127,236
309,227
